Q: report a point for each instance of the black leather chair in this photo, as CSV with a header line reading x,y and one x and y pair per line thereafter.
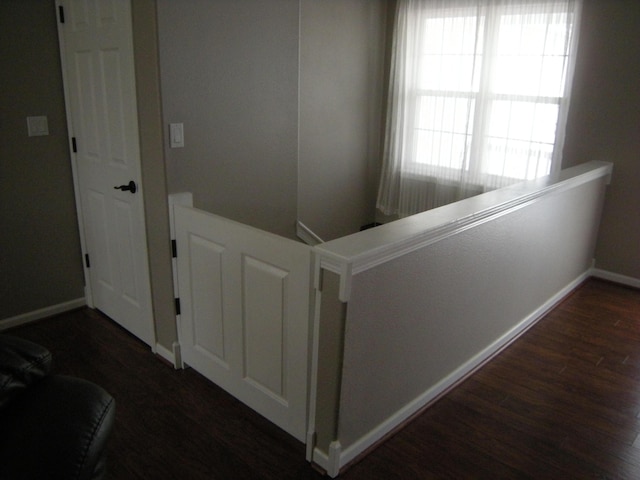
x,y
51,426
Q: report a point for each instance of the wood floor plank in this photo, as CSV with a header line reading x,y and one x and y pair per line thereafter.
x,y
563,401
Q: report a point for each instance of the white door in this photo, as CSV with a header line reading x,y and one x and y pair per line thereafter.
x,y
245,306
97,54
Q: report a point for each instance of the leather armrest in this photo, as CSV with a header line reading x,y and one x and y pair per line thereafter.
x,y
57,429
22,363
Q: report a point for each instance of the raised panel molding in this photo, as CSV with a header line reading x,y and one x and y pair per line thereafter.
x,y
264,296
127,271
207,297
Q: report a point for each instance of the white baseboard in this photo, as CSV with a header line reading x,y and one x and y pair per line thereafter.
x,y
307,235
177,356
321,459
174,357
41,313
615,277
329,463
164,353
378,433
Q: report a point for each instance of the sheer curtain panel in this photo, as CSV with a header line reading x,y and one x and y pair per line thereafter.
x,y
478,98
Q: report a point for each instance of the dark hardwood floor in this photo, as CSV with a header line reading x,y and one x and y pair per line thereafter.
x,y
563,402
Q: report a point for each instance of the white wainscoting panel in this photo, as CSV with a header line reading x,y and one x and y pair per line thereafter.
x,y
245,313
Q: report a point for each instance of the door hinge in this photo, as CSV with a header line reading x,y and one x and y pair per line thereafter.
x,y
86,260
174,249
177,302
61,13
74,145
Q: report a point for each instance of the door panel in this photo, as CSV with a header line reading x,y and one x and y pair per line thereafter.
x,y
245,303
97,51
207,299
97,211
125,233
265,322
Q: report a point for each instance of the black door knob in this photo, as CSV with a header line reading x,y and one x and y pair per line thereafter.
x,y
131,187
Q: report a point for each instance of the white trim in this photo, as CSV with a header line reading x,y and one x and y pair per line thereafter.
x,y
184,199
165,353
367,249
443,386
615,277
73,161
307,235
310,445
335,458
177,356
343,269
321,459
313,360
42,313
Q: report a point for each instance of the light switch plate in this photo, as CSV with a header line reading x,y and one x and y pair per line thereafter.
x,y
176,135
37,126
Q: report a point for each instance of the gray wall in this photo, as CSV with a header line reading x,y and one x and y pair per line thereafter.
x,y
341,78
40,263
229,72
280,102
455,300
145,40
604,123
330,349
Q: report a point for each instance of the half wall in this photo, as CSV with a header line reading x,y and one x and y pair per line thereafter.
x,y
430,298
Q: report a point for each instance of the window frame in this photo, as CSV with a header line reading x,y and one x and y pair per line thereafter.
x,y
483,100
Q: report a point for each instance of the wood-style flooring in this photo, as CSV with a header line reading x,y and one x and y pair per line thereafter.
x,y
562,402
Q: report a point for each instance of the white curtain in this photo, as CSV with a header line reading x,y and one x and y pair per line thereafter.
x,y
478,97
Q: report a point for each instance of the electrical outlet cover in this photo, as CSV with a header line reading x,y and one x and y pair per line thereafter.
x,y
37,126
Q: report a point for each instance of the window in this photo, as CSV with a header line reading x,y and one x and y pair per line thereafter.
x,y
478,95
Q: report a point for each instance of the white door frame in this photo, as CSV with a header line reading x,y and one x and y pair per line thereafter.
x,y
72,158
